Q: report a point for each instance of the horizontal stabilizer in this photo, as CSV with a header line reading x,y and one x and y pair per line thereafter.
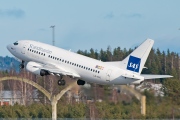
x,y
133,76
148,76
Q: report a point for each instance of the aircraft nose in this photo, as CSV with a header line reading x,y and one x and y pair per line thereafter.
x,y
9,47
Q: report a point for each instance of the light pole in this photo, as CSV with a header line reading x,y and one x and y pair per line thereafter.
x,y
53,29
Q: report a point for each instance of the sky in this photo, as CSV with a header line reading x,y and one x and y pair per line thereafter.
x,y
86,24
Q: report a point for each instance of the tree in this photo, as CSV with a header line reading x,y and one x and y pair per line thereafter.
x,y
172,89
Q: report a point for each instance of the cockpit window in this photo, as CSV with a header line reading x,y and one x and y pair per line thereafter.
x,y
16,43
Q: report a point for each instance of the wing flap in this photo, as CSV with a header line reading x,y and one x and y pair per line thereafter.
x,y
60,72
53,70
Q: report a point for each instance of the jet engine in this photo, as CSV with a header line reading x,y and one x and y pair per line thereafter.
x,y
35,68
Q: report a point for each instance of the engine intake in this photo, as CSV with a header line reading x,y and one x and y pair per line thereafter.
x,y
43,72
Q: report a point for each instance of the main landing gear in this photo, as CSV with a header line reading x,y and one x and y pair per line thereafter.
x,y
61,81
80,82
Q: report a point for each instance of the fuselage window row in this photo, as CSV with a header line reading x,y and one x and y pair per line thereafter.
x,y
37,52
71,63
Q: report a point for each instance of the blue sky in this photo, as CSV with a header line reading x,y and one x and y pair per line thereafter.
x,y
85,24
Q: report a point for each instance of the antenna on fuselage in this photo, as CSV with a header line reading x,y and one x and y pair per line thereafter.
x,y
53,30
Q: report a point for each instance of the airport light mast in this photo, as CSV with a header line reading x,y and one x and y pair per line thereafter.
x,y
53,29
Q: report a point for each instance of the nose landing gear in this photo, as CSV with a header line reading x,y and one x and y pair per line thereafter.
x,y
21,66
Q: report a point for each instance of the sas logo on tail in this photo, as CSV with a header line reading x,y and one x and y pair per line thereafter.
x,y
133,64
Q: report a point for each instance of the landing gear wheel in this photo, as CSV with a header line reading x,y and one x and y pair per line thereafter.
x,y
21,66
64,82
80,82
61,82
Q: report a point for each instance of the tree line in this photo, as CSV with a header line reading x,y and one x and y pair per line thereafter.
x,y
158,62
126,107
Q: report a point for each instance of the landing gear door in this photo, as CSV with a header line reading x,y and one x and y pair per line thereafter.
x,y
23,51
108,75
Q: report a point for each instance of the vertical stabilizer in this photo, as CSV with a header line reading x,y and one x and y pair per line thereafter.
x,y
136,60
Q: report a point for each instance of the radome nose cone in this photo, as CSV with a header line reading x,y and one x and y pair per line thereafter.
x,y
8,47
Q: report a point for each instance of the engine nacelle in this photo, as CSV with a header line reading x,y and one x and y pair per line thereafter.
x,y
44,72
34,68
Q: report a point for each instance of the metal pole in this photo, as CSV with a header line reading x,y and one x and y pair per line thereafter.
x,y
143,105
53,29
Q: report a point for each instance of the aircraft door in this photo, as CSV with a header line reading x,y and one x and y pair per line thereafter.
x,y
108,75
23,50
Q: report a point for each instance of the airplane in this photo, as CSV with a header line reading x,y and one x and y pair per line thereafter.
x,y
43,59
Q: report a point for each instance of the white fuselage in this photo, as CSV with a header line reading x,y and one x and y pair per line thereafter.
x,y
89,70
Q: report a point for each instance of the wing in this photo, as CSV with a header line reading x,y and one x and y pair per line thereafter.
x,y
56,70
147,76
